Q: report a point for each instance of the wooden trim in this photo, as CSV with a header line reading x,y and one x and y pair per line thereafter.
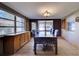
x,y
15,25
33,20
64,24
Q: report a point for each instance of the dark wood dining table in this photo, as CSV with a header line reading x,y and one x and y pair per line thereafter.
x,y
45,39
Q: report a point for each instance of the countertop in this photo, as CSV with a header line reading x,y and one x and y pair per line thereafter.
x,y
14,34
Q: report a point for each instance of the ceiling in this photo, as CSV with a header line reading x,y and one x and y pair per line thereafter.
x,y
34,10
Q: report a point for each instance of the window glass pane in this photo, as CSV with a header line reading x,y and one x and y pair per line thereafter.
x,y
42,32
4,14
20,29
6,22
19,19
33,24
6,26
49,25
20,25
71,26
48,33
41,25
6,30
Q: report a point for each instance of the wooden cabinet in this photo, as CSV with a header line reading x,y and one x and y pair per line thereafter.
x,y
17,44
26,36
8,45
22,39
12,44
1,46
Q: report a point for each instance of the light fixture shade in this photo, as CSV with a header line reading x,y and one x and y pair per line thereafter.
x,y
46,13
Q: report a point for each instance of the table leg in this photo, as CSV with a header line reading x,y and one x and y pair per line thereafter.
x,y
56,49
35,48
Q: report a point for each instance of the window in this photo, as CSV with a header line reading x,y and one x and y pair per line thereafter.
x,y
33,24
6,23
49,27
6,15
41,27
44,27
20,24
71,26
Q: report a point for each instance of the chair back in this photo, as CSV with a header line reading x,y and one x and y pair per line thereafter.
x,y
56,32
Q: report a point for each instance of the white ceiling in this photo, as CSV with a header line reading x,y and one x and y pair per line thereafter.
x,y
34,10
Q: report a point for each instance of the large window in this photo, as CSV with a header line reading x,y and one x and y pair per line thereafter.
x,y
44,27
9,25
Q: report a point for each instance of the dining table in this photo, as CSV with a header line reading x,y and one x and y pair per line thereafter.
x,y
45,40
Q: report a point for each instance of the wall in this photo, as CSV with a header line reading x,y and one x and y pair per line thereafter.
x,y
72,36
57,25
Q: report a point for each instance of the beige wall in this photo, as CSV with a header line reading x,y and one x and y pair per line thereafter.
x,y
72,36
